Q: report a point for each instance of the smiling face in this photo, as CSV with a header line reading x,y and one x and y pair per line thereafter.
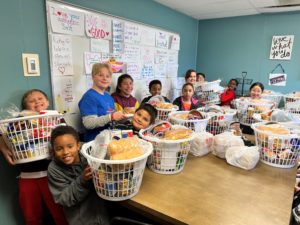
x,y
232,85
192,78
102,79
126,87
66,149
200,78
155,89
36,101
187,92
256,92
141,119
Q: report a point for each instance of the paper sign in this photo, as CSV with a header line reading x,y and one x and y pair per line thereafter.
x,y
161,56
147,55
175,42
132,53
98,26
172,70
134,70
147,71
173,57
277,79
66,21
282,47
160,70
161,40
148,37
90,58
99,45
64,96
118,36
61,47
132,33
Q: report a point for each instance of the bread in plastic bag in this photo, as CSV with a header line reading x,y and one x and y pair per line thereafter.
x,y
202,144
223,141
242,156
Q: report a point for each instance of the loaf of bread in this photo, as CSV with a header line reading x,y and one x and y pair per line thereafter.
x,y
125,148
177,134
274,129
164,105
129,110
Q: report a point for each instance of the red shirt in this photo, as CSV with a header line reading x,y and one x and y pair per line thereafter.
x,y
227,97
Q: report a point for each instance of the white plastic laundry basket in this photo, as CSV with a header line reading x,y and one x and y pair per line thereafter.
x,y
28,137
116,180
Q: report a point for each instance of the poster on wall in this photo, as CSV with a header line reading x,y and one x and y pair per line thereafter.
x,y
98,27
90,58
66,21
161,40
61,49
175,42
99,45
132,33
281,47
117,36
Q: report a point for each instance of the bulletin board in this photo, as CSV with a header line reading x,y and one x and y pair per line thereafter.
x,y
79,37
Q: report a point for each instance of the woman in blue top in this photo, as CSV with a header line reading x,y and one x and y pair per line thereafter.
x,y
96,105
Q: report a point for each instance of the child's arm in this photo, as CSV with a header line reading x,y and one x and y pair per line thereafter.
x,y
227,96
94,121
67,191
6,152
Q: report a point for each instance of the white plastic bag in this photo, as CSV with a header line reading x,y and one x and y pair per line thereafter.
x,y
244,157
223,141
101,142
202,144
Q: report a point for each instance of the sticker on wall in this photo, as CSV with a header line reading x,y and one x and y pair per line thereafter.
x,y
281,47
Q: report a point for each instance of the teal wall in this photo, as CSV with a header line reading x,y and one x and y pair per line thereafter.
x,y
228,46
24,30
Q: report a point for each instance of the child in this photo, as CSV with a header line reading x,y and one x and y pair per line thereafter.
x,y
229,92
256,90
187,101
33,183
154,89
70,180
96,105
200,77
190,76
143,117
124,101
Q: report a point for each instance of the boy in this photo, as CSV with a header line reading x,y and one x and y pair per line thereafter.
x,y
154,89
70,180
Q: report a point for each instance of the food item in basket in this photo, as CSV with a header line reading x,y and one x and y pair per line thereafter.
x,y
267,91
297,94
195,115
177,134
266,115
125,148
250,112
164,105
161,127
274,129
129,110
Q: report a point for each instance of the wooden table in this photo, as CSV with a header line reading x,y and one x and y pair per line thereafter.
x,y
211,192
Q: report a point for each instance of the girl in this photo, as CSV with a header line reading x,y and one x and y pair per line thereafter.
x,y
229,92
256,90
190,76
124,101
33,183
187,101
70,180
143,117
96,105
200,77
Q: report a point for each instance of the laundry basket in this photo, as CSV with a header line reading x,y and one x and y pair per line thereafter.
x,y
28,137
116,180
162,114
292,103
278,149
281,116
197,125
272,97
246,108
219,122
207,92
169,156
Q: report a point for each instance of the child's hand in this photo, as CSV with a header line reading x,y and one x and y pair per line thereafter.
x,y
118,116
8,155
87,173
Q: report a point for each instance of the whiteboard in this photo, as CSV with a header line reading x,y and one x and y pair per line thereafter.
x,y
79,37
